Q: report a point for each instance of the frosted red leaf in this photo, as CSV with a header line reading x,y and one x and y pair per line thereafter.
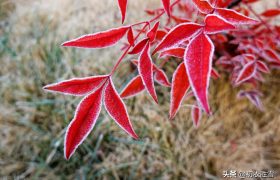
x,y
77,86
166,5
139,46
146,71
215,24
177,35
203,6
198,60
247,72
174,52
160,34
271,55
196,115
161,77
179,88
261,66
85,118
134,87
123,7
253,96
117,110
234,17
271,13
180,20
98,40
130,37
153,32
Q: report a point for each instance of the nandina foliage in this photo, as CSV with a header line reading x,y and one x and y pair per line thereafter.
x,y
229,35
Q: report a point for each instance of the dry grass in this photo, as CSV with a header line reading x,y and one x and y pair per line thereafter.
x,y
32,122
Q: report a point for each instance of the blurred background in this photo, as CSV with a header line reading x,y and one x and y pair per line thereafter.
x,y
33,122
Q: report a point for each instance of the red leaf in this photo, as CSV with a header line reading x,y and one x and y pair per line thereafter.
x,y
215,24
139,46
271,13
153,32
85,117
175,52
134,87
123,7
177,35
130,37
271,55
160,34
166,5
161,77
203,6
98,40
196,115
117,110
262,67
246,73
198,61
146,71
179,87
77,86
253,96
234,17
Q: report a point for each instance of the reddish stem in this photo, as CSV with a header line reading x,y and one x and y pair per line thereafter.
x,y
147,23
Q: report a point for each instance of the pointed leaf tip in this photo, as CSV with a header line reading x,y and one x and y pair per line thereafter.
x,y
123,7
166,5
196,115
